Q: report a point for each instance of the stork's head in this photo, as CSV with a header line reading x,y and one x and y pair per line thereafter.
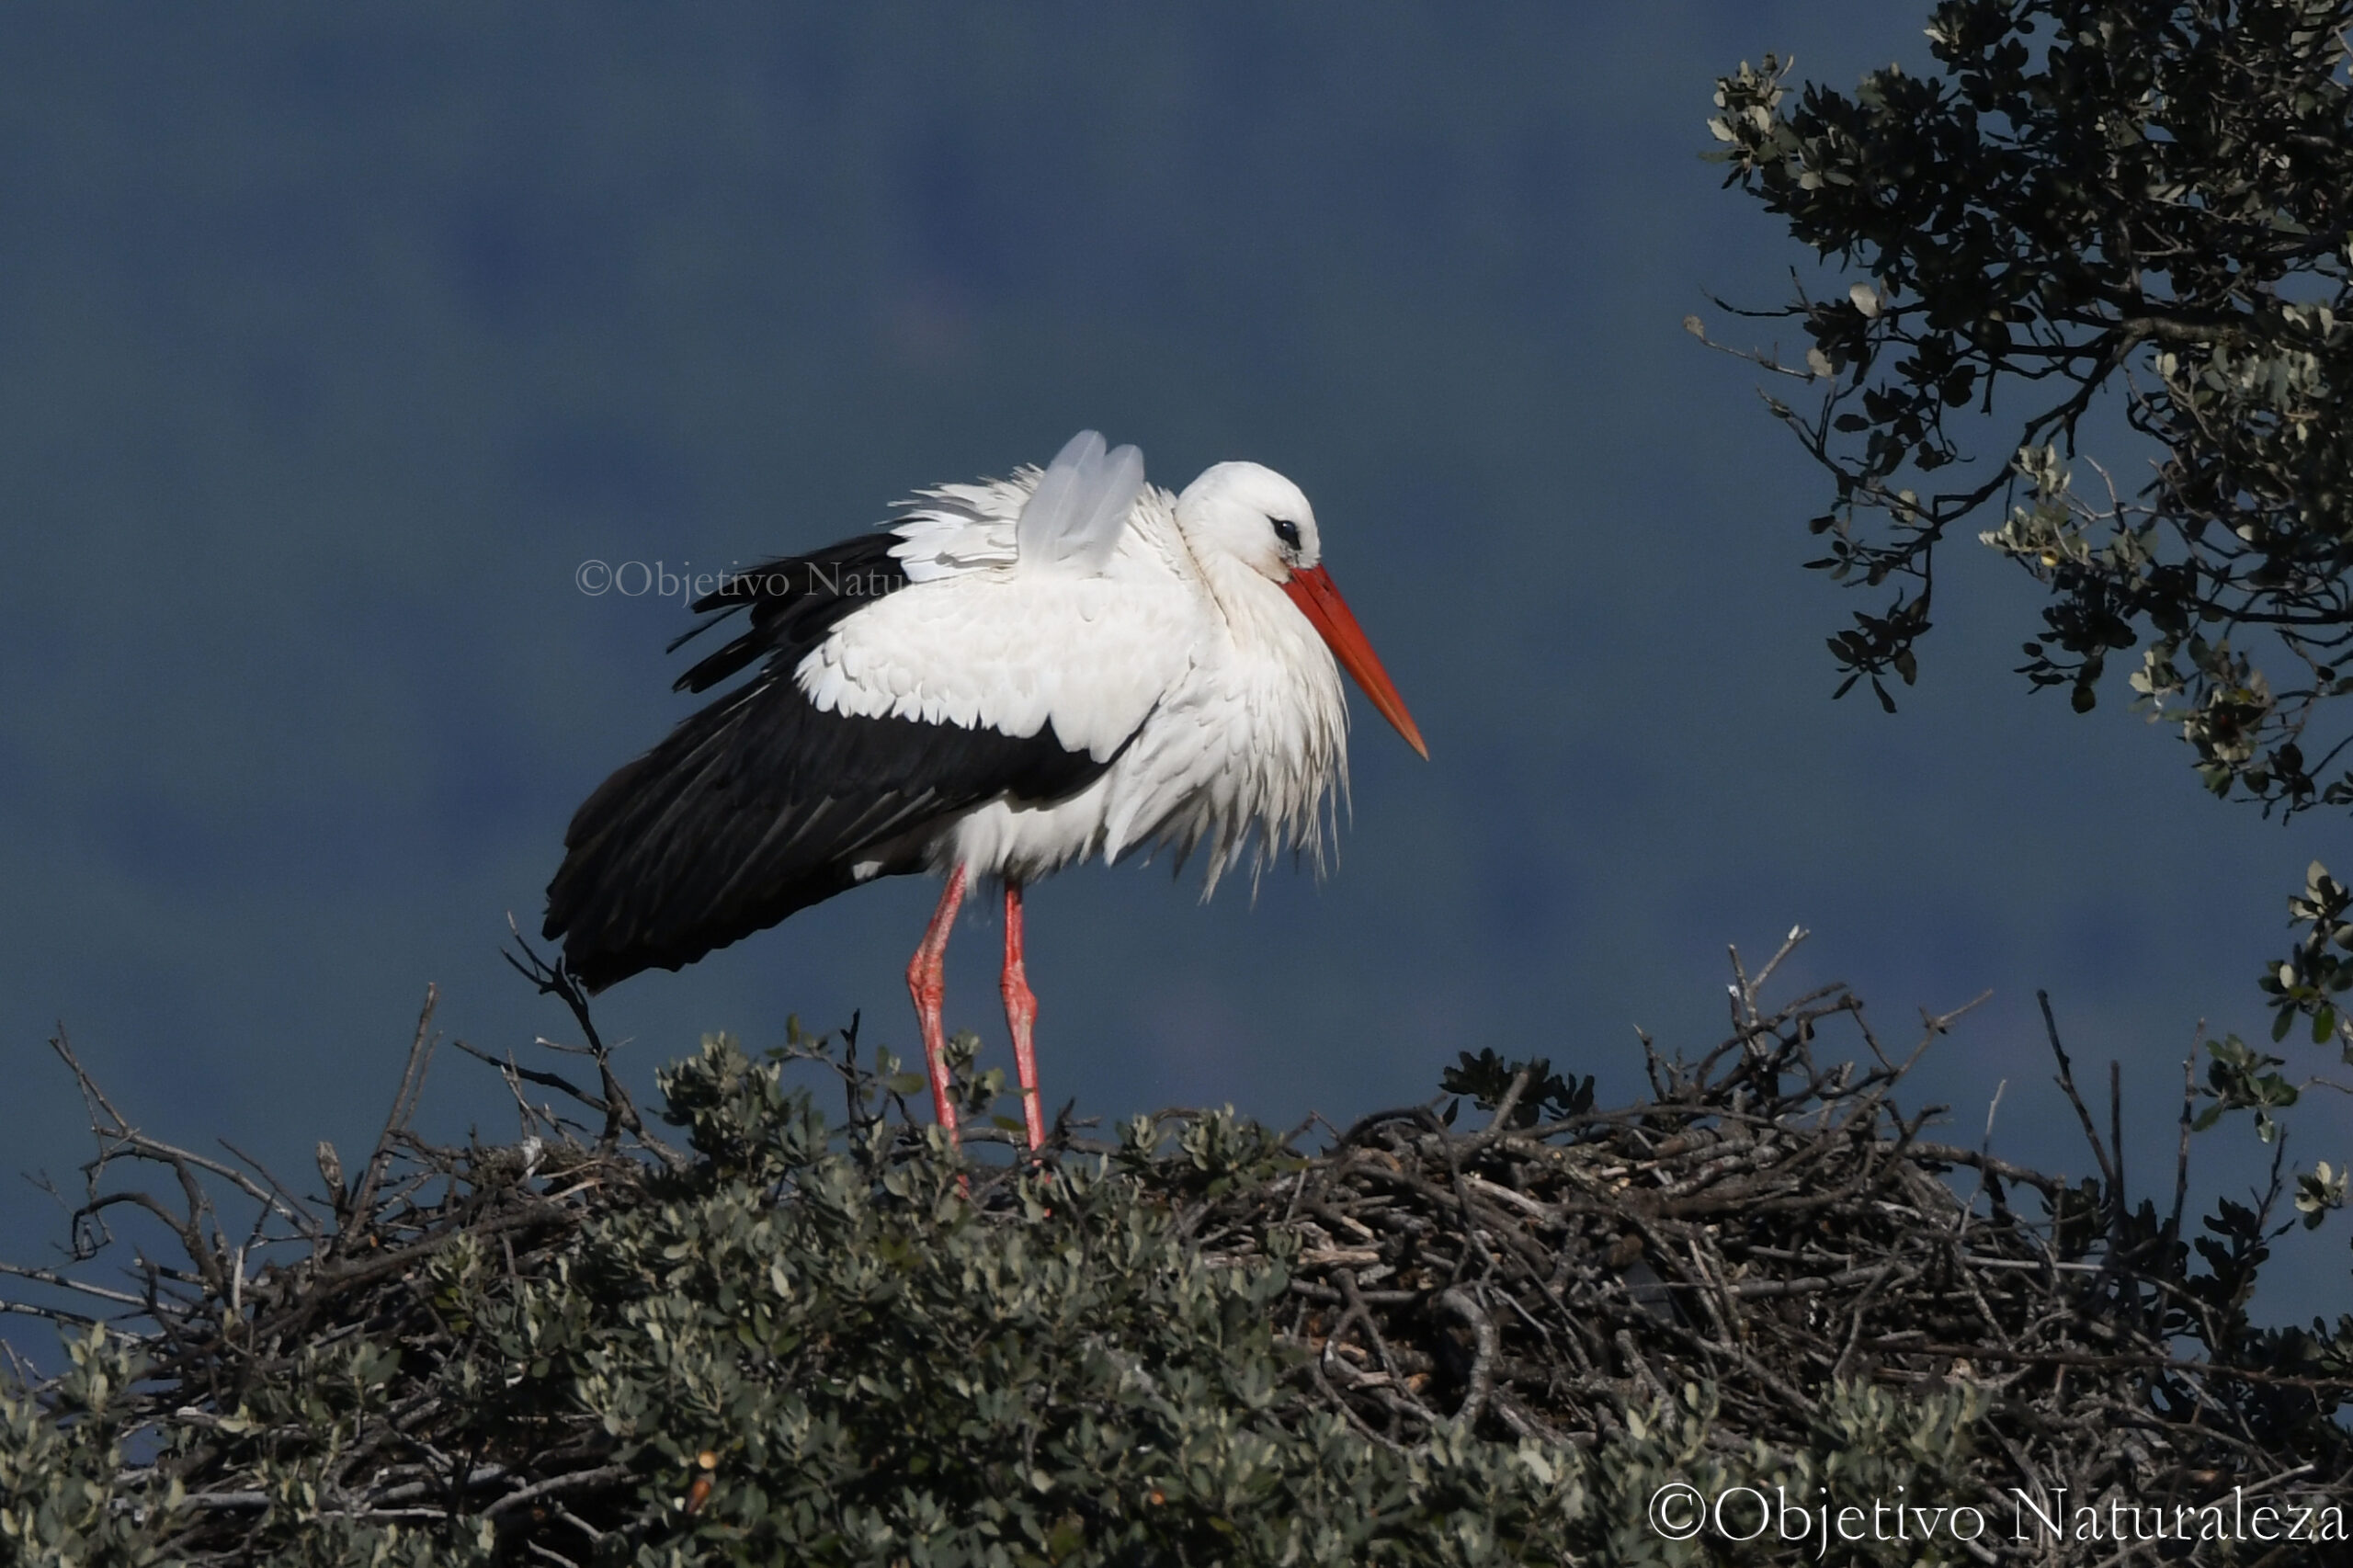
x,y
1252,514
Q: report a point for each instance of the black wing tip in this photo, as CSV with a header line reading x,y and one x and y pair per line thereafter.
x,y
595,967
596,971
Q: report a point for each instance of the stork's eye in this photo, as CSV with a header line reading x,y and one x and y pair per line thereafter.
x,y
1287,531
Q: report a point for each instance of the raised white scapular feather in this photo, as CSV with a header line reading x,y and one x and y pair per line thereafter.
x,y
1072,520
1046,597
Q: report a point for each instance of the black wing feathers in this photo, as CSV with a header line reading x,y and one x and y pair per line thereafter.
x,y
761,804
794,602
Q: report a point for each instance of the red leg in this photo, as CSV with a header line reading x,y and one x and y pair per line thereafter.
x,y
1021,1016
927,982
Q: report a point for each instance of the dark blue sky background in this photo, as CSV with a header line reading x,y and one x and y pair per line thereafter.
x,y
334,339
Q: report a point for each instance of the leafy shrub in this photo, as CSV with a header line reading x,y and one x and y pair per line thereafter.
x,y
806,1340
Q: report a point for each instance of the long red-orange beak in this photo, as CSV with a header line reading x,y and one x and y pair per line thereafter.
x,y
1317,599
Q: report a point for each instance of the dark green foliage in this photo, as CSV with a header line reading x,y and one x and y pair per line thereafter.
x,y
2240,1077
875,1360
804,1341
814,1344
2149,195
1541,1093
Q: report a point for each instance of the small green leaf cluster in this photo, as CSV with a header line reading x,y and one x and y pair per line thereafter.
x,y
1487,1078
2240,1077
2309,982
57,1457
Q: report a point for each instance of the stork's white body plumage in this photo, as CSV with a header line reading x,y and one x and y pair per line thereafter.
x,y
1217,708
1019,674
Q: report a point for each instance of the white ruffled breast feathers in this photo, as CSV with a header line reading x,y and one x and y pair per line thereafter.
x,y
1259,741
1222,754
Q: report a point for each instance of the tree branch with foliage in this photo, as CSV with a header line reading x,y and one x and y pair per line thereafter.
x,y
2144,199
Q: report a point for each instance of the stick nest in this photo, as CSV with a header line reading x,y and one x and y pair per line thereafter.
x,y
1763,1236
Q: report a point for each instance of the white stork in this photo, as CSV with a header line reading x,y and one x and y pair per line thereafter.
x,y
1015,675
